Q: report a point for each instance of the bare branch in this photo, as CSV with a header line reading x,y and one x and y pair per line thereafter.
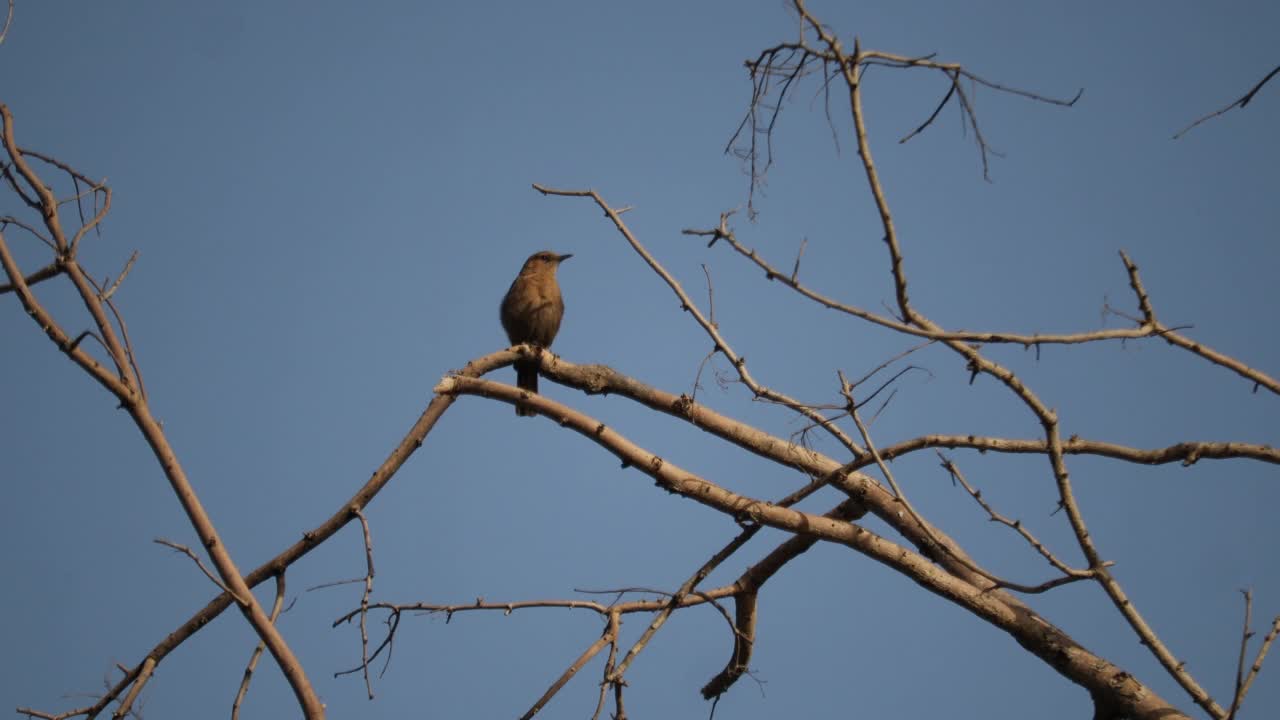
x,y
1238,696
922,553
1032,631
1149,327
1240,103
257,651
124,383
139,682
120,278
594,649
614,622
8,21
314,537
1188,453
51,327
49,716
1260,657
195,559
11,220
48,271
1175,338
795,269
1069,574
721,344
679,595
364,599
951,91
1243,681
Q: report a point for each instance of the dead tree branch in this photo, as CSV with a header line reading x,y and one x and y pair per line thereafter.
x,y
1032,631
1239,103
126,384
252,665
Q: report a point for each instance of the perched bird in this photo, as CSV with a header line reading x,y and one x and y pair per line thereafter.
x,y
531,313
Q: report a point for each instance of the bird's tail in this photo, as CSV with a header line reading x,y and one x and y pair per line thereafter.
x,y
526,379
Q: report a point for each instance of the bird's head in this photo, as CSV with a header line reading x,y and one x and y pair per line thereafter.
x,y
544,261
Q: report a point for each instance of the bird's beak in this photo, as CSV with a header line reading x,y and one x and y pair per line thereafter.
x,y
562,258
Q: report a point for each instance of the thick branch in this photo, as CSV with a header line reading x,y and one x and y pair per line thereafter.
x,y
1033,632
823,469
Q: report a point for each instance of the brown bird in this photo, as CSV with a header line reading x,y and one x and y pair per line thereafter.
x,y
531,313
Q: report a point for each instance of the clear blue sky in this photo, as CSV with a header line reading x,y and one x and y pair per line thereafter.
x,y
329,200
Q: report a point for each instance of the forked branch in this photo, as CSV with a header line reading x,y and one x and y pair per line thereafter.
x,y
125,383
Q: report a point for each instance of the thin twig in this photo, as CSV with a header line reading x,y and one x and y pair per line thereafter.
x,y
120,278
1240,103
606,638
615,621
1187,453
4,32
1260,657
11,220
1070,574
257,651
679,595
795,269
1238,696
711,297
364,598
721,344
194,558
